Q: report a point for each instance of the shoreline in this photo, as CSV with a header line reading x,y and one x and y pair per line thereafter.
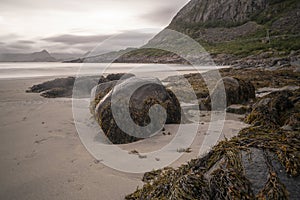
x,y
53,70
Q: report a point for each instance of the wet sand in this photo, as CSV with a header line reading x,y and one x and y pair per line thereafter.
x,y
42,157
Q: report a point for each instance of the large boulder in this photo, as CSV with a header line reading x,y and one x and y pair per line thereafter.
x,y
236,91
99,92
271,110
131,101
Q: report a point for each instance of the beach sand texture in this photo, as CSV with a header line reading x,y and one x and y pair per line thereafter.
x,y
42,157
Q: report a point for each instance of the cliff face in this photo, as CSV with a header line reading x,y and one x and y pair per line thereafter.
x,y
241,27
224,12
280,16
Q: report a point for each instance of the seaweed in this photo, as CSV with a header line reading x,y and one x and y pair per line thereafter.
x,y
220,173
273,189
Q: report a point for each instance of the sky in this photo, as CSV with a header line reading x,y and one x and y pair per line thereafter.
x,y
69,26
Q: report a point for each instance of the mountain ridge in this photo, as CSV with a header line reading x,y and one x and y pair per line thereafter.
x,y
233,29
42,56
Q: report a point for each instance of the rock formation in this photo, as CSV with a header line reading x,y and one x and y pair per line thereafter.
x,y
262,162
237,91
149,92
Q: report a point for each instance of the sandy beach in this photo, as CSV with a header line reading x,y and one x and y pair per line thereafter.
x,y
42,157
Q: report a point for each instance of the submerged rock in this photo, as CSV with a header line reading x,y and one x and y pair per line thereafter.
x,y
132,100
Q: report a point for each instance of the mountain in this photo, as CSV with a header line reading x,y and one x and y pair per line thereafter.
x,y
42,56
223,13
233,29
228,30
102,58
241,27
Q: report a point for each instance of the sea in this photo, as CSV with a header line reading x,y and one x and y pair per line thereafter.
x,y
25,70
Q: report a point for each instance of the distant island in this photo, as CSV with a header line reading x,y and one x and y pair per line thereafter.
x,y
42,56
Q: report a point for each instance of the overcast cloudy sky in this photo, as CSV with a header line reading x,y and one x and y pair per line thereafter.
x,y
71,26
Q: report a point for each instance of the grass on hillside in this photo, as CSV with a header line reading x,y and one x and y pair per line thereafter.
x,y
245,47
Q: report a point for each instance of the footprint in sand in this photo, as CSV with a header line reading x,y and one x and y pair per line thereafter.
x,y
41,141
31,155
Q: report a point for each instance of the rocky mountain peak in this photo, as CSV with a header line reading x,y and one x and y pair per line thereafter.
x,y
218,11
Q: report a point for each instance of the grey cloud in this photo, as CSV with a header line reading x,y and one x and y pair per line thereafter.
x,y
151,12
15,48
26,42
160,16
18,46
80,44
111,42
71,5
76,39
9,37
123,41
132,38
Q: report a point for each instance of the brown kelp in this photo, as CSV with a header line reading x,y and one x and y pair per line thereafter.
x,y
221,173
